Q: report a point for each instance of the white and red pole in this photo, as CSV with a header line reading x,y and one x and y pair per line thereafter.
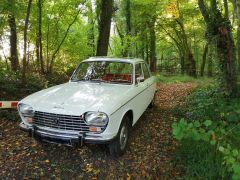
x,y
8,104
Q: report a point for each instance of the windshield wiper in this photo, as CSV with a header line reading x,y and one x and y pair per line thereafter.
x,y
90,80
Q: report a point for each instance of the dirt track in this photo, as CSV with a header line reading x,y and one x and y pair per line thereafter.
x,y
149,154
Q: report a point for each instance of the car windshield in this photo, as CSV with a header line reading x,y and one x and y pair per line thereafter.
x,y
104,71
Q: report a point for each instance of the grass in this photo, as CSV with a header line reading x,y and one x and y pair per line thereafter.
x,y
171,79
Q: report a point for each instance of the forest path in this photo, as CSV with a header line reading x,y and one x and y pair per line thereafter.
x,y
149,154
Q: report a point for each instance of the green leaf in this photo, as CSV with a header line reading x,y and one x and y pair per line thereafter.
x,y
207,123
235,152
221,149
197,124
236,171
212,142
232,117
177,131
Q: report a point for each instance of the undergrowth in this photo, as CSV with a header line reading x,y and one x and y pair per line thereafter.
x,y
209,135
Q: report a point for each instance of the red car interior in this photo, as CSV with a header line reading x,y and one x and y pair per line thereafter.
x,y
118,77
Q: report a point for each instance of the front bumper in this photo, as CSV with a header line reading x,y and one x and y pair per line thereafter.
x,y
63,137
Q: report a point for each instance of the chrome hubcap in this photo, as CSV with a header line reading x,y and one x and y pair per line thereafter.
x,y
123,137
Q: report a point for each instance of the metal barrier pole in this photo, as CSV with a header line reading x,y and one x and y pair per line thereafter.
x,y
8,104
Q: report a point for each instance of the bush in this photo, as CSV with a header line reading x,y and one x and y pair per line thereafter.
x,y
205,103
56,78
12,88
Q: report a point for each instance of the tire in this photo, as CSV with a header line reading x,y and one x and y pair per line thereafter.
x,y
119,145
152,104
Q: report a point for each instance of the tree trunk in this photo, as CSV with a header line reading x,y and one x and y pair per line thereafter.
x,y
210,65
238,45
147,50
39,36
91,38
128,28
204,59
237,11
25,42
225,45
13,43
37,53
153,58
142,49
104,27
182,61
128,16
190,65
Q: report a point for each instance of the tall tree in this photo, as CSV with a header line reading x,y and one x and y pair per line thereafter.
x,y
25,41
11,9
91,37
39,37
204,58
218,26
106,7
13,42
153,58
127,49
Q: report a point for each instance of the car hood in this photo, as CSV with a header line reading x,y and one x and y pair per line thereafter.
x,y
77,98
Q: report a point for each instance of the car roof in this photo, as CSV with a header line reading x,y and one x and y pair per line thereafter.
x,y
128,60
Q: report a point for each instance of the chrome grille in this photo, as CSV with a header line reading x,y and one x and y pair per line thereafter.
x,y
59,121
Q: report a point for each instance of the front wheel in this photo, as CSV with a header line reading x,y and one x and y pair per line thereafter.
x,y
119,145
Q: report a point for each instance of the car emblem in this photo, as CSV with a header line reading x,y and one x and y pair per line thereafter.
x,y
56,121
58,107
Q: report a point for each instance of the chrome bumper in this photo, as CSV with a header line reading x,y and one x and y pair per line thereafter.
x,y
62,137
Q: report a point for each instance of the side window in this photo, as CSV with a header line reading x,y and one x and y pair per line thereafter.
x,y
145,72
138,71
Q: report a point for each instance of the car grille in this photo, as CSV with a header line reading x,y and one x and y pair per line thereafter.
x,y
59,121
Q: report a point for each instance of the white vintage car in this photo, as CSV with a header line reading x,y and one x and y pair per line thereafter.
x,y
104,98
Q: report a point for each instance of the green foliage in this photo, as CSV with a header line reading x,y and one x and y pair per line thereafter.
x,y
212,119
11,86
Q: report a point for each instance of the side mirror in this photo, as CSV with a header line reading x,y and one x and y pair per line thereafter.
x,y
140,79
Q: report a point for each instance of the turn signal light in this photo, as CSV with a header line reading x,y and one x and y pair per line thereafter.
x,y
93,128
29,120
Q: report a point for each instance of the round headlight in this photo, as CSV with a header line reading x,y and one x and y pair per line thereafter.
x,y
96,118
26,110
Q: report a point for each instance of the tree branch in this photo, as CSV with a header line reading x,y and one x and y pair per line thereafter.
x,y
203,10
64,37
